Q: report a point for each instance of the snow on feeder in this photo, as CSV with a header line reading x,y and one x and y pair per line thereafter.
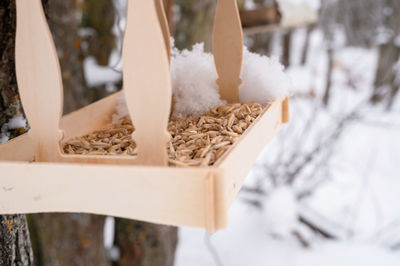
x,y
83,163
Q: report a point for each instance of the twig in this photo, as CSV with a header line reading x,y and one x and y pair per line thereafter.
x,y
212,250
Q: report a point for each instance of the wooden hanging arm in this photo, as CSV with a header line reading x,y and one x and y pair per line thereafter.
x,y
162,17
39,79
147,84
228,49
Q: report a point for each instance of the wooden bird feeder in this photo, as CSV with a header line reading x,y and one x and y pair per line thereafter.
x,y
36,176
283,14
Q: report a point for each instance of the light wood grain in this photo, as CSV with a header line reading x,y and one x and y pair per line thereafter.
x,y
21,148
147,84
239,159
39,78
90,118
173,196
209,203
197,197
285,111
162,17
228,49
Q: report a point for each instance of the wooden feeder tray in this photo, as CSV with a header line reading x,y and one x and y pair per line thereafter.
x,y
36,176
283,15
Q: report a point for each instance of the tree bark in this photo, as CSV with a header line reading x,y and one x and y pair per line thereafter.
x,y
15,245
99,16
145,244
304,54
328,85
385,87
287,37
68,239
64,25
195,23
9,104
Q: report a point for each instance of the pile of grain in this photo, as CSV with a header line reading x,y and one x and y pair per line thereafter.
x,y
197,141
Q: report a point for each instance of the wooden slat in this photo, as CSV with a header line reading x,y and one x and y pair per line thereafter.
x,y
146,79
20,148
209,202
90,118
238,161
285,111
162,17
173,196
273,27
39,78
227,46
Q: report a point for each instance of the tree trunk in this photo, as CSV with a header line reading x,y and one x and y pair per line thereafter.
x,y
68,239
145,244
385,84
98,17
287,37
328,85
15,246
304,54
64,25
9,104
195,23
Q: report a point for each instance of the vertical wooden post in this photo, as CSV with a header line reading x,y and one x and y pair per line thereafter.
x,y
146,79
162,17
209,203
39,78
285,111
228,49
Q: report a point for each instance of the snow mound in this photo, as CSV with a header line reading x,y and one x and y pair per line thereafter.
x,y
263,79
194,88
280,212
193,78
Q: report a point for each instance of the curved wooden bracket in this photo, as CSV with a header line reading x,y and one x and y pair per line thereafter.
x,y
228,49
146,79
162,17
39,79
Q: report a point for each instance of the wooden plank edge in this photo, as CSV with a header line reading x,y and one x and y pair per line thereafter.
x,y
238,161
89,118
244,135
209,203
20,148
285,111
165,195
274,27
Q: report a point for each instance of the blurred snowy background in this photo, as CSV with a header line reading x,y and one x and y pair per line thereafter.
x,y
326,191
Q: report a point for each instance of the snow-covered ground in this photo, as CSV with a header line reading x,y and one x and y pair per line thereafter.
x,y
362,198
358,203
246,242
